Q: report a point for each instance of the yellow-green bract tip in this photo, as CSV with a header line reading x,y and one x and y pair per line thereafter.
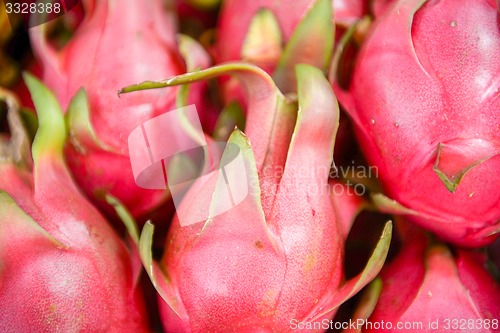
x,y
51,133
311,42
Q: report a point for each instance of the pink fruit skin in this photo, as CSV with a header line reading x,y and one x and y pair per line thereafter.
x,y
67,271
236,16
117,44
278,254
347,12
232,28
428,285
426,76
379,7
62,267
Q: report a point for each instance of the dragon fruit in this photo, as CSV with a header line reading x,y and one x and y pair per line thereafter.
x,y
278,255
349,11
277,36
236,20
118,43
379,7
424,100
62,267
428,289
282,19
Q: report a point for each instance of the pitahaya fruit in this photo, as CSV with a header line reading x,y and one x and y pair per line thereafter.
x,y
379,7
237,17
278,255
424,100
349,11
62,267
269,23
118,43
275,36
429,289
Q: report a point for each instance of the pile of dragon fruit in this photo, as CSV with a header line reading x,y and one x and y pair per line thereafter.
x,y
250,166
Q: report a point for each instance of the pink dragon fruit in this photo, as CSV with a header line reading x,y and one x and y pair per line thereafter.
x,y
275,258
348,11
237,18
62,267
276,35
424,99
379,7
118,43
428,289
